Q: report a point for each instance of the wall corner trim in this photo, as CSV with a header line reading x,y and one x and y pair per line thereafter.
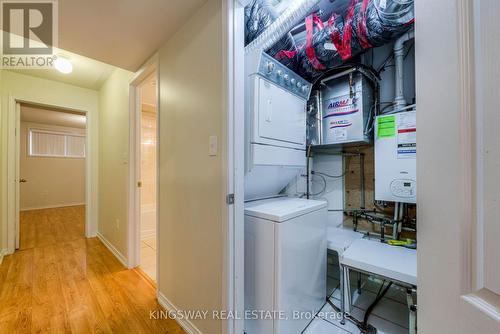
x,y
112,249
187,325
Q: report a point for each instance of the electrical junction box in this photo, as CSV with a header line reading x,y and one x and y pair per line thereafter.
x,y
396,157
347,100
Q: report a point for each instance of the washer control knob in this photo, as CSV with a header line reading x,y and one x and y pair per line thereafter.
x,y
299,85
305,88
286,77
293,81
280,73
270,67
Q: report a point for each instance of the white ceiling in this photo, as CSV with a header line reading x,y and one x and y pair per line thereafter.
x,y
98,35
124,33
42,115
87,73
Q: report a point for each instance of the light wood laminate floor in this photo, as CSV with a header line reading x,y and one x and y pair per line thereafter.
x,y
61,282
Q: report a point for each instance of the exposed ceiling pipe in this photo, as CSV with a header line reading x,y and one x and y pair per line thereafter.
x,y
283,24
399,98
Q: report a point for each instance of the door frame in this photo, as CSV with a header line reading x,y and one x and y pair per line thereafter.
x,y
460,32
13,162
134,207
234,99
452,95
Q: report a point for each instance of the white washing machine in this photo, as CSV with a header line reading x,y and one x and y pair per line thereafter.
x,y
285,264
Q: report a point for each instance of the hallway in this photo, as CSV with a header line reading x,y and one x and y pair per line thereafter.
x,y
62,282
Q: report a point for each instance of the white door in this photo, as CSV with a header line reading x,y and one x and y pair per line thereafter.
x,y
458,165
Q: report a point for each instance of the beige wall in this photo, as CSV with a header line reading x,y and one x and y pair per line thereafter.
x,y
52,182
28,88
113,159
191,182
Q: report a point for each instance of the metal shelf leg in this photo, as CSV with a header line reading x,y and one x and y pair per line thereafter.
x,y
412,321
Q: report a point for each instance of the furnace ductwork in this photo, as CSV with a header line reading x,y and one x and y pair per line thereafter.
x,y
331,39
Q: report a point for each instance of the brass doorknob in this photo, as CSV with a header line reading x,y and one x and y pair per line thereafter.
x,y
23,181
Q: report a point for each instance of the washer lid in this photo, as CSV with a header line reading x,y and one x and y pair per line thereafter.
x,y
282,209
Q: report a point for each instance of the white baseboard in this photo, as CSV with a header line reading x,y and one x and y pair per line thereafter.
x,y
113,250
187,325
3,252
51,206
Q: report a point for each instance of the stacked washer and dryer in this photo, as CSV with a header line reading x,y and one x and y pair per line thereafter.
x,y
285,238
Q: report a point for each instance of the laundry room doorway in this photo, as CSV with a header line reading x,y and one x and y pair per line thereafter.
x,y
144,120
457,166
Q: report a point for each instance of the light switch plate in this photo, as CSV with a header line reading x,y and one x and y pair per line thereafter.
x,y
212,146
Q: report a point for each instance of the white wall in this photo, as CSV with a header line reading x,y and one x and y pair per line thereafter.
x,y
334,191
192,182
388,77
52,182
28,88
113,159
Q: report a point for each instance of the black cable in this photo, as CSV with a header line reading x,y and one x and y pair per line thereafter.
x,y
375,302
409,49
321,174
335,308
390,104
386,107
384,63
324,185
330,176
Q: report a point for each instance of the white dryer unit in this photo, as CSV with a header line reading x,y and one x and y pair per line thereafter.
x,y
285,263
275,125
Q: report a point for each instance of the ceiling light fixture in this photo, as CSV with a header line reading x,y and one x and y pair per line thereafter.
x,y
63,65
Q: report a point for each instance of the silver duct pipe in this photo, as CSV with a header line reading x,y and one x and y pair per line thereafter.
x,y
399,98
283,24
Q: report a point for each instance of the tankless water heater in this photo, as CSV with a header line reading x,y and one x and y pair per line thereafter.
x,y
396,157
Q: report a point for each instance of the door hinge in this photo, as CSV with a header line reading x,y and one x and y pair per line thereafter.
x,y
230,199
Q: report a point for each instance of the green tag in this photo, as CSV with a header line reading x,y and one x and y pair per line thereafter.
x,y
386,126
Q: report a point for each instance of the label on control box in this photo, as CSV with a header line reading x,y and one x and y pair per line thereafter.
x,y
341,116
386,127
407,136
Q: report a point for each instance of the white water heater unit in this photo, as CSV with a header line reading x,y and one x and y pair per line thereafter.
x,y
396,157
